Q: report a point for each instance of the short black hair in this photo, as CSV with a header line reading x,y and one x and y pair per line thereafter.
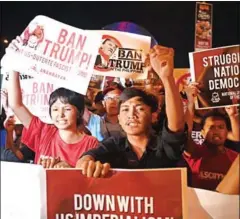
x,y
216,114
145,97
99,97
71,97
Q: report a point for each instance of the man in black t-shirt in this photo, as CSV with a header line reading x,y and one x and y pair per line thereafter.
x,y
140,149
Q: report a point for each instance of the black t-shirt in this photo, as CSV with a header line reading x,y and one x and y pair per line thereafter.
x,y
162,151
233,145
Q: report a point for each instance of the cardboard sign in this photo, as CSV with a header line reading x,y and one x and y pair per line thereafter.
x,y
122,55
56,52
217,71
28,198
125,194
35,96
203,26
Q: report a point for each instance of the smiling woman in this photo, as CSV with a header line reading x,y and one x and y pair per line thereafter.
x,y
58,145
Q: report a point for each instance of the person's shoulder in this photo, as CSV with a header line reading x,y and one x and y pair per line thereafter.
x,y
89,138
94,118
199,151
231,153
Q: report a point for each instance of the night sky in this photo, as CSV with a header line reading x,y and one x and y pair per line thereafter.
x,y
171,23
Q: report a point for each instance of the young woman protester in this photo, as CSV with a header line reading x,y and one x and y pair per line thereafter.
x,y
58,145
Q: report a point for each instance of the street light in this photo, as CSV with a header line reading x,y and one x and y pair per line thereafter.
x,y
5,41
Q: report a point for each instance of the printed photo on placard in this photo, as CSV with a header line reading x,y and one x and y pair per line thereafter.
x,y
55,52
122,54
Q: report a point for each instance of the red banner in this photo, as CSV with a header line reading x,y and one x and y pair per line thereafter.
x,y
140,194
217,72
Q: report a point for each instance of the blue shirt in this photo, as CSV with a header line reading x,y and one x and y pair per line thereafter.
x,y
3,135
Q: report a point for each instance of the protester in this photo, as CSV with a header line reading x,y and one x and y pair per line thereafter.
x,y
139,149
64,141
14,151
98,104
107,125
210,162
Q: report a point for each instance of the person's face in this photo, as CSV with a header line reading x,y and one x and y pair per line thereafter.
x,y
135,117
111,100
90,95
215,131
185,82
158,86
109,47
64,116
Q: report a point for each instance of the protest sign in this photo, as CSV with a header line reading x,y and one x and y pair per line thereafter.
x,y
124,194
182,78
203,26
96,82
122,54
35,95
217,72
130,27
28,198
23,191
56,52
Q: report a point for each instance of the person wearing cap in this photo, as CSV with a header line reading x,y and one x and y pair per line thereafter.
x,y
103,127
140,149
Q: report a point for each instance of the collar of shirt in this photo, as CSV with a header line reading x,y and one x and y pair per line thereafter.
x,y
151,145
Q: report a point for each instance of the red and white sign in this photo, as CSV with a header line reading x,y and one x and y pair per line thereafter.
x,y
122,54
130,194
35,95
217,72
29,202
56,52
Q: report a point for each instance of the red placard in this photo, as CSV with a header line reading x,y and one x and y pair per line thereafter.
x,y
124,194
217,71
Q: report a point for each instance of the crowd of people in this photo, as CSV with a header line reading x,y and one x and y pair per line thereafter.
x,y
127,127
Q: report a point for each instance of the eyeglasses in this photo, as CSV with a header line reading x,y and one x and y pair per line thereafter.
x,y
115,98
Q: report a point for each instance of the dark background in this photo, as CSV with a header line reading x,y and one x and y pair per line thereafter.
x,y
171,23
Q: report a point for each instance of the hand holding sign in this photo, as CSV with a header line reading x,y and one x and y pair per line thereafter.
x,y
192,91
232,110
90,168
48,162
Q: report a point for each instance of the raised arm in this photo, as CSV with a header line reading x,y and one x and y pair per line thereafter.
x,y
9,124
15,100
233,114
161,59
191,92
14,89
